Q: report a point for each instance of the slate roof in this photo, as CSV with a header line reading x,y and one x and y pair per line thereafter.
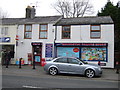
x,y
85,21
44,19
58,20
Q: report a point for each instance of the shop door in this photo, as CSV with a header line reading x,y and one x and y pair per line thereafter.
x,y
37,53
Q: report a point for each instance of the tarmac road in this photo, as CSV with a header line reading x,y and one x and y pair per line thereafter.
x,y
26,77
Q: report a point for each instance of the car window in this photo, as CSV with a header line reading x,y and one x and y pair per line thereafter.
x,y
61,60
73,61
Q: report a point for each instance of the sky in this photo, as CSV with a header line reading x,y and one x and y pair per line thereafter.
x,y
16,8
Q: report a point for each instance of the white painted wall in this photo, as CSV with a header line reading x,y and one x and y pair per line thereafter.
x,y
24,48
11,33
81,34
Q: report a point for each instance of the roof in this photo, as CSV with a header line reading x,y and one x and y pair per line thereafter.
x,y
85,20
42,19
10,21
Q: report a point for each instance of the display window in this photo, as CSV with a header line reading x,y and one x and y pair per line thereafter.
x,y
68,52
94,53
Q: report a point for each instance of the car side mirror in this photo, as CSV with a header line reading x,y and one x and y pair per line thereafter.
x,y
80,63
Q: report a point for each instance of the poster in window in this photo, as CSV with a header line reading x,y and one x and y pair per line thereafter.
x,y
37,58
68,52
48,51
93,54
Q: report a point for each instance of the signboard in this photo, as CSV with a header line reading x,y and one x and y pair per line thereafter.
x,y
48,51
81,44
36,43
5,39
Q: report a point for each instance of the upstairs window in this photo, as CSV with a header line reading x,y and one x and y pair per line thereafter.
x,y
28,31
65,32
95,32
43,31
4,31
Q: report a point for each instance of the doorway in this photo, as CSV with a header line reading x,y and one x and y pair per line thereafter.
x,y
37,53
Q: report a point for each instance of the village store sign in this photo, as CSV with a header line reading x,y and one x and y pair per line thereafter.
x,y
82,44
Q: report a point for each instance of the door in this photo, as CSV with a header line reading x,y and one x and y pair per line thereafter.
x,y
62,64
37,53
74,66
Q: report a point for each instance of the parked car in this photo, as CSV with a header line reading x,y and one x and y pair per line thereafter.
x,y
72,65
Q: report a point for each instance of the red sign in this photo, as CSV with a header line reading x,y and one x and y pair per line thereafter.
x,y
76,50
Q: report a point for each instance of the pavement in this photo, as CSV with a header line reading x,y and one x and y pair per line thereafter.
x,y
26,70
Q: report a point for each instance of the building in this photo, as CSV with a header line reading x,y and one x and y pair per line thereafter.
x,y
88,38
36,36
8,30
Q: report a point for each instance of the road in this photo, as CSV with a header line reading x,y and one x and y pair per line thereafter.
x,y
26,77
11,81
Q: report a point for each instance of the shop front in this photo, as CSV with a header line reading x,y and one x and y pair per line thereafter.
x,y
91,52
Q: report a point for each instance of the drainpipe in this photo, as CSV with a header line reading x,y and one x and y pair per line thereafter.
x,y
55,38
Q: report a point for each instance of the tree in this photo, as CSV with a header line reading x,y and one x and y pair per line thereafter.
x,y
3,14
114,12
76,8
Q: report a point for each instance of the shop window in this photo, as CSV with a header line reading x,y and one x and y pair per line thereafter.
x,y
94,54
43,31
95,32
65,32
28,31
67,52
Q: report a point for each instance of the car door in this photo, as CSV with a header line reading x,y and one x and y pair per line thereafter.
x,y
62,64
74,66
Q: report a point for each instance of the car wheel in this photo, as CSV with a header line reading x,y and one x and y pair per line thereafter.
x,y
53,71
90,73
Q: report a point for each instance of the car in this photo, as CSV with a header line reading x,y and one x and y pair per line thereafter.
x,y
72,65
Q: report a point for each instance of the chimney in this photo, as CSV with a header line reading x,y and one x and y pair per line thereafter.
x,y
30,12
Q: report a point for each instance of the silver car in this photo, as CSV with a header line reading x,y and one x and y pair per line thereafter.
x,y
72,65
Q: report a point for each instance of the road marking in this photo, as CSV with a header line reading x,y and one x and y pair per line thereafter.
x,y
30,87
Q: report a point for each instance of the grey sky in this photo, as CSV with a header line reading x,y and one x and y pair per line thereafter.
x,y
16,8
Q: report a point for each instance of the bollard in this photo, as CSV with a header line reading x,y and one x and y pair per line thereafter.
x,y
20,63
33,64
117,71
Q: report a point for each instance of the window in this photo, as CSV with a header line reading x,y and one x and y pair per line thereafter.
x,y
61,60
73,61
94,53
4,31
28,32
65,32
43,31
95,31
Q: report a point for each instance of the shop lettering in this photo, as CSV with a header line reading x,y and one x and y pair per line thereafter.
x,y
71,44
81,44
